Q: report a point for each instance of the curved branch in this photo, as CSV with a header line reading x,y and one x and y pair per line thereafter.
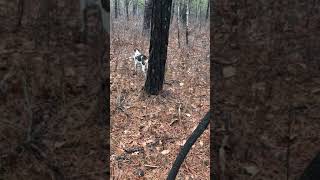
x,y
187,146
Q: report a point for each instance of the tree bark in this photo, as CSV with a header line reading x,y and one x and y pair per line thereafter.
x,y
199,19
312,171
147,15
198,10
178,23
172,10
158,46
127,9
134,7
183,9
208,7
187,21
115,9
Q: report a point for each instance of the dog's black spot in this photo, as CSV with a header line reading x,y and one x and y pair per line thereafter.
x,y
141,58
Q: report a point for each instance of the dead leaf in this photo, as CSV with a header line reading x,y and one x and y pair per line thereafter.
x,y
164,152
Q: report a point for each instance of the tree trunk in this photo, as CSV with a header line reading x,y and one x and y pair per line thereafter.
x,y
115,9
178,24
172,10
147,15
187,21
199,19
134,7
183,11
198,10
158,46
312,170
105,69
207,14
127,9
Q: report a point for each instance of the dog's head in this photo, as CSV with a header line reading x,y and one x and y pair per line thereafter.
x,y
136,52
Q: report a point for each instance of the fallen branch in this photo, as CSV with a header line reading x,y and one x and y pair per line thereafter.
x,y
187,146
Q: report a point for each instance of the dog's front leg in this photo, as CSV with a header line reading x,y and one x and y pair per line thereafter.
x,y
144,70
135,65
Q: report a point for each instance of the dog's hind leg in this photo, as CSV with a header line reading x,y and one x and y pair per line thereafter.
x,y
143,67
135,65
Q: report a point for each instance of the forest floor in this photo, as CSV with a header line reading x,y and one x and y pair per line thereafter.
x,y
158,125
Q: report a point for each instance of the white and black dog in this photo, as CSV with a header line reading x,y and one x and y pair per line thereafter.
x,y
140,59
